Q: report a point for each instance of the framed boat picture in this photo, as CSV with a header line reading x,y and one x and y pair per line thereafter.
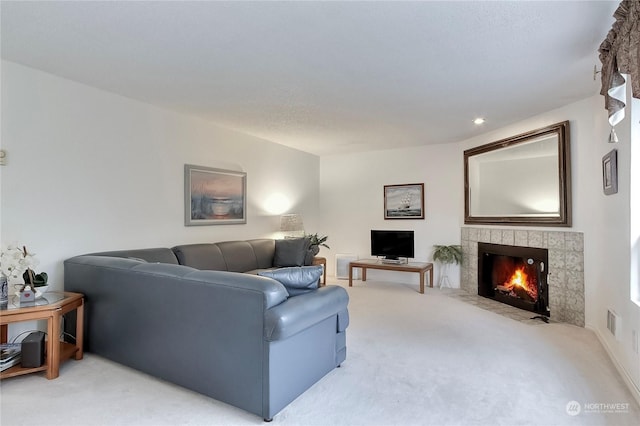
x,y
404,201
214,196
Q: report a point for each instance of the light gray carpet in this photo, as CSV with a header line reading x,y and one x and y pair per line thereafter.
x,y
412,360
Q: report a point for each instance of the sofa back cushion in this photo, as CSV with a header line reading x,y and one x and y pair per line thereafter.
x,y
232,256
201,256
264,250
290,252
151,255
238,256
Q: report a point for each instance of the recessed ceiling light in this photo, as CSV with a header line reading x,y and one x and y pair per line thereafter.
x,y
478,120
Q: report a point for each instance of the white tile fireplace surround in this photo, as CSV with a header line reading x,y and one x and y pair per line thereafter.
x,y
566,265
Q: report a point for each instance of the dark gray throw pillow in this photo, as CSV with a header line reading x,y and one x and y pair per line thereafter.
x,y
297,280
290,252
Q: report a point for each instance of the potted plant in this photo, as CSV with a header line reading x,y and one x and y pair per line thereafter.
x,y
446,255
315,241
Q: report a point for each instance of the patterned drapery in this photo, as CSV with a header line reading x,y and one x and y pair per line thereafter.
x,y
620,54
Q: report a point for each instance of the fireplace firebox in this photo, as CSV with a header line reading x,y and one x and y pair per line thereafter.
x,y
514,275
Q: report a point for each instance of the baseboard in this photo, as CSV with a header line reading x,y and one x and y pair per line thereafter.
x,y
635,391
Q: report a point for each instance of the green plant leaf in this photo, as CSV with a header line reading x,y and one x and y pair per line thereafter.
x,y
447,254
317,240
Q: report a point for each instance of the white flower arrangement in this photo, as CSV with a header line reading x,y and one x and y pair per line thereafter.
x,y
14,261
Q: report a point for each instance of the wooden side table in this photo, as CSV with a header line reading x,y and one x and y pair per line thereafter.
x,y
51,308
321,261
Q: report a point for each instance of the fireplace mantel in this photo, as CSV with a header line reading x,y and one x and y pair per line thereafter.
x,y
566,265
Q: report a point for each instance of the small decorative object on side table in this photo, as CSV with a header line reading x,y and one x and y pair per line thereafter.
x,y
37,282
27,295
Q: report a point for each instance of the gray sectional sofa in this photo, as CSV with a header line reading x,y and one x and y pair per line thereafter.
x,y
200,316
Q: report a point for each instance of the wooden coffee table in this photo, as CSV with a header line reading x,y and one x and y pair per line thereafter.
x,y
420,267
51,308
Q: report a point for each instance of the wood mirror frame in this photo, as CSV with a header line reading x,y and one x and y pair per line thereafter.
x,y
523,154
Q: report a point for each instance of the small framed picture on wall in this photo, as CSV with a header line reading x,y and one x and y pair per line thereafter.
x,y
404,201
610,172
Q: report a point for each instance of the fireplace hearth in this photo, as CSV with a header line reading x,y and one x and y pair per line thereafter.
x,y
514,275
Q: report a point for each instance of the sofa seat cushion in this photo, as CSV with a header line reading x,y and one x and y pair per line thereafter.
x,y
297,280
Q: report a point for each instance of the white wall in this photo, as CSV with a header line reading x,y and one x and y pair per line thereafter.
x,y
89,171
352,202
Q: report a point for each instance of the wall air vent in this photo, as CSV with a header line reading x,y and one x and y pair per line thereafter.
x,y
342,266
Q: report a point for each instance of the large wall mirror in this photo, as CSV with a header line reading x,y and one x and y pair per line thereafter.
x,y
522,180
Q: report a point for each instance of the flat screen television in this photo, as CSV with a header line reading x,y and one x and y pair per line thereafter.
x,y
392,244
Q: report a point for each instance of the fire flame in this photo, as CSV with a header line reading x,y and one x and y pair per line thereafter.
x,y
521,279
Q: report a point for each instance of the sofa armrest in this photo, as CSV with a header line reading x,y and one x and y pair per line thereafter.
x,y
300,312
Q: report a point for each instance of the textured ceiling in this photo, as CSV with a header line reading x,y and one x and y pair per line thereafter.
x,y
324,77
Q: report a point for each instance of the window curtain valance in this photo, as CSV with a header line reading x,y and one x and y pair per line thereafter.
x,y
620,54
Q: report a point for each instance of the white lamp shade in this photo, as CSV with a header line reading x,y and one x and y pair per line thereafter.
x,y
291,222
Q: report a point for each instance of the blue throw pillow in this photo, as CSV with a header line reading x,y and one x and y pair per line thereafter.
x,y
296,280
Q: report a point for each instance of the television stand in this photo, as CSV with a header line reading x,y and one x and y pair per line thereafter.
x,y
420,267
